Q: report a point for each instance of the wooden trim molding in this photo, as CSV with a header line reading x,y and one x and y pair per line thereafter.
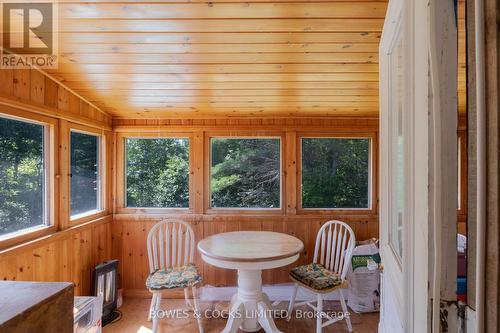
x,y
8,101
120,172
53,236
283,124
30,95
276,134
373,172
26,236
51,156
61,84
105,158
200,132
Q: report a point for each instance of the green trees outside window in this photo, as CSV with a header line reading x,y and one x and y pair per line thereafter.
x,y
22,175
335,172
85,178
245,173
157,172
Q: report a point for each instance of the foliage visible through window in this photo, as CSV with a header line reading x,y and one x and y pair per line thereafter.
x,y
157,172
245,173
22,175
85,178
335,173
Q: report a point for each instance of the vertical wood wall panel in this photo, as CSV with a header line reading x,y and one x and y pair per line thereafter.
x,y
70,253
130,232
130,227
22,83
32,90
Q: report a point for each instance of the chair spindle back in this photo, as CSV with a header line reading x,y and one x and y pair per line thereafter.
x,y
170,244
334,246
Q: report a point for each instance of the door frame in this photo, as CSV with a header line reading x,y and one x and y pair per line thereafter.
x,y
393,313
429,135
399,301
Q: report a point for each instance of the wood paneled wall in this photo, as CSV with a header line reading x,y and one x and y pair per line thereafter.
x,y
68,250
34,91
68,255
130,227
129,233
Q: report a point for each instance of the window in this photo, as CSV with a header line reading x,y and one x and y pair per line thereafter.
x,y
157,172
23,175
335,173
245,173
85,173
397,141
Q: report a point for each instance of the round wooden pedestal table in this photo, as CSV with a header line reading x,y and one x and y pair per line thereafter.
x,y
250,252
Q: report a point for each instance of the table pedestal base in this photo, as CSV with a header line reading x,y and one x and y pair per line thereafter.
x,y
250,309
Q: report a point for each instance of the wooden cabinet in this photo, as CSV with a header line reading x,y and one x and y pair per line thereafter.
x,y
40,307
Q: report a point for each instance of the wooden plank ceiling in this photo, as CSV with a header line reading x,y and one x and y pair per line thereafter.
x,y
227,58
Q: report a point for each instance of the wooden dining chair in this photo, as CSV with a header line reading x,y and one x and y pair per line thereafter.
x,y
332,257
170,252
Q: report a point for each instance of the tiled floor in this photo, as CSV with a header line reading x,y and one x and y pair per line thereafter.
x,y
135,311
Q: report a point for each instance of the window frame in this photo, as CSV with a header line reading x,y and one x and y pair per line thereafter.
x,y
372,208
208,209
102,166
121,168
51,170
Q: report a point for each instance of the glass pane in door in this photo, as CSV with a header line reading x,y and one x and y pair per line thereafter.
x,y
397,141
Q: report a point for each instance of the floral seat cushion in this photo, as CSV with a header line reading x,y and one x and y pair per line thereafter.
x,y
174,277
317,277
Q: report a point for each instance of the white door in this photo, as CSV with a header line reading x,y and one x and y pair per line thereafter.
x,y
393,139
417,164
403,167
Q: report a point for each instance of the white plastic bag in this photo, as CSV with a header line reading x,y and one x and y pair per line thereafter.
x,y
364,279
